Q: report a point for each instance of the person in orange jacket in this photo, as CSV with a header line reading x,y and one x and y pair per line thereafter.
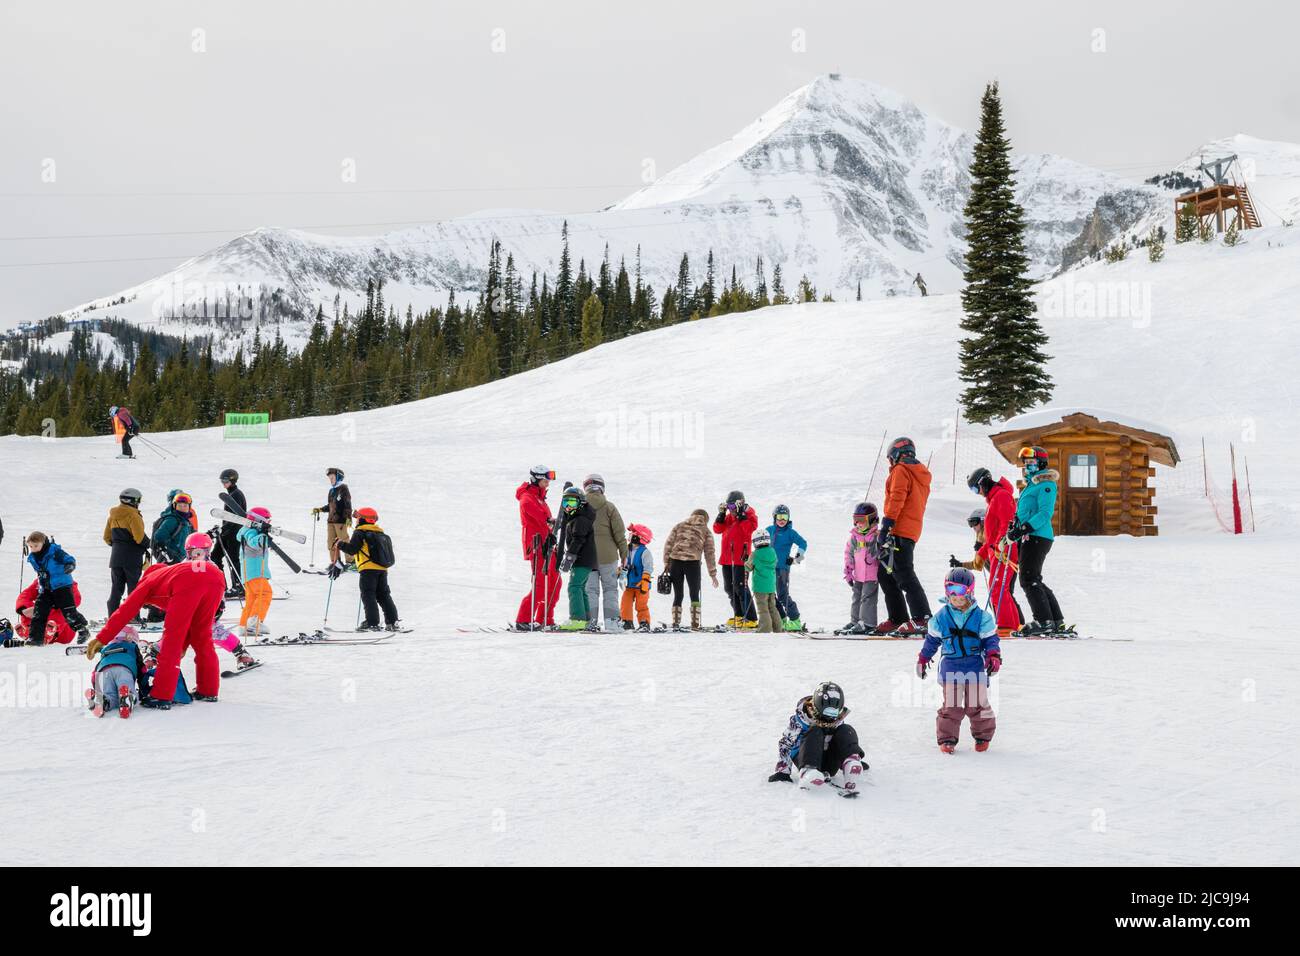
x,y
907,489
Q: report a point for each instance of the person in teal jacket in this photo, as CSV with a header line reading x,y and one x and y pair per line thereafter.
x,y
790,548
762,566
1033,530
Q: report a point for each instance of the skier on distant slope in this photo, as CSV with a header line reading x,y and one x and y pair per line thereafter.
x,y
736,522
537,609
968,636
907,489
190,592
125,427
819,744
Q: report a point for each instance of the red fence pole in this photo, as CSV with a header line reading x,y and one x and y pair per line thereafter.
x,y
1236,499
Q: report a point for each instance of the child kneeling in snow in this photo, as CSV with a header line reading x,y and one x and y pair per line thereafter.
x,y
819,744
972,654
120,678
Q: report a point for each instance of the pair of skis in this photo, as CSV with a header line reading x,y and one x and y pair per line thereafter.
x,y
234,514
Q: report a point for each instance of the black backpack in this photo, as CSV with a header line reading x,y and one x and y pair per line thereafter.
x,y
379,546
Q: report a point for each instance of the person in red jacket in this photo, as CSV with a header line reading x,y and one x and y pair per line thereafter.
x,y
907,489
999,556
190,591
57,630
736,522
537,609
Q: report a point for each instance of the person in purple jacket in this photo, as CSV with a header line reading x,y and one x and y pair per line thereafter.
x,y
968,635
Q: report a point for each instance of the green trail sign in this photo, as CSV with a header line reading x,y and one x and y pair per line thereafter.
x,y
248,426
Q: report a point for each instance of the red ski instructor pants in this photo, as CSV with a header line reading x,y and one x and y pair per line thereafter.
x,y
538,605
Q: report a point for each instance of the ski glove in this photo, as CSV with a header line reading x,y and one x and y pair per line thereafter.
x,y
334,572
1017,532
789,562
886,525
922,666
567,564
780,776
798,558
93,648
992,662
953,562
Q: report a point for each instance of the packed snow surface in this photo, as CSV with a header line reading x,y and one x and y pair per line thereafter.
x,y
448,747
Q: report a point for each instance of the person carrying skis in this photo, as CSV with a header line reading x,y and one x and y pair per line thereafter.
x,y
994,552
639,569
861,569
227,541
172,527
124,533
57,630
190,592
819,744
972,654
125,427
906,491
372,549
790,547
1033,532
736,522
55,588
255,568
337,511
688,543
611,552
762,564
537,609
578,545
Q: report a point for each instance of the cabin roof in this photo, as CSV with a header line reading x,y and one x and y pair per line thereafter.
x,y
1033,427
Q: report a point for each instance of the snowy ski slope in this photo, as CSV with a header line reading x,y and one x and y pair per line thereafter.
x,y
467,748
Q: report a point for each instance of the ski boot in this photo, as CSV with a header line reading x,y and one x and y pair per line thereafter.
x,y
573,626
395,626
125,702
83,635
982,745
154,703
914,628
95,701
948,746
747,625
528,626
794,624
627,625
206,698
884,627
810,778
644,627
369,628
243,659
852,769
593,627
1033,629
1061,629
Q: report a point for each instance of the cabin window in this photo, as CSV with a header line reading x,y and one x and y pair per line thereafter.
x,y
1083,471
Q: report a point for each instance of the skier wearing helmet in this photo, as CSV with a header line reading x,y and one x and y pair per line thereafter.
x,y
255,569
611,552
537,609
190,591
639,569
1032,530
124,533
227,544
577,543
862,570
372,550
737,522
994,551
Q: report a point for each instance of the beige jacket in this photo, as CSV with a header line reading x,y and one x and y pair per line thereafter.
x,y
690,540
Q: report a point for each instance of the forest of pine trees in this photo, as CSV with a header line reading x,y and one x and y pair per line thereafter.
x,y
372,359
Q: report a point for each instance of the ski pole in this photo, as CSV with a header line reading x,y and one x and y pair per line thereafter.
x,y
22,566
153,444
532,593
329,593
315,521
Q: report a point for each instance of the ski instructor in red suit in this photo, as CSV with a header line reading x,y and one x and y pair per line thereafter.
x,y
537,609
190,591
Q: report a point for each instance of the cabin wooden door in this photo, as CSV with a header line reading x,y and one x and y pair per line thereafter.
x,y
1081,499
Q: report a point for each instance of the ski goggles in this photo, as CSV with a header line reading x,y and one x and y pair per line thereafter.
x,y
182,499
547,475
831,712
569,503
957,589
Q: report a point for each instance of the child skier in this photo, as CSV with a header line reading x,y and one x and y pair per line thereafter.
x,y
57,630
861,569
372,550
54,584
255,565
972,654
974,521
790,548
577,542
640,569
819,744
761,563
120,679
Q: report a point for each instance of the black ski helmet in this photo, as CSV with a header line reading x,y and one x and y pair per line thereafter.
x,y
230,475
980,481
901,449
976,517
574,492
735,497
828,700
865,509
336,472
130,496
780,510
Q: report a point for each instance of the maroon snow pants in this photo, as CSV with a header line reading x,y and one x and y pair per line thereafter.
x,y
965,695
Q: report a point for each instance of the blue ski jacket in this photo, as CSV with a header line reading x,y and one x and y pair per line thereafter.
x,y
783,540
1037,503
964,636
254,554
53,566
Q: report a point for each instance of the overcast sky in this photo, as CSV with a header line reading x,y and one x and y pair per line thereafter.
x,y
451,107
